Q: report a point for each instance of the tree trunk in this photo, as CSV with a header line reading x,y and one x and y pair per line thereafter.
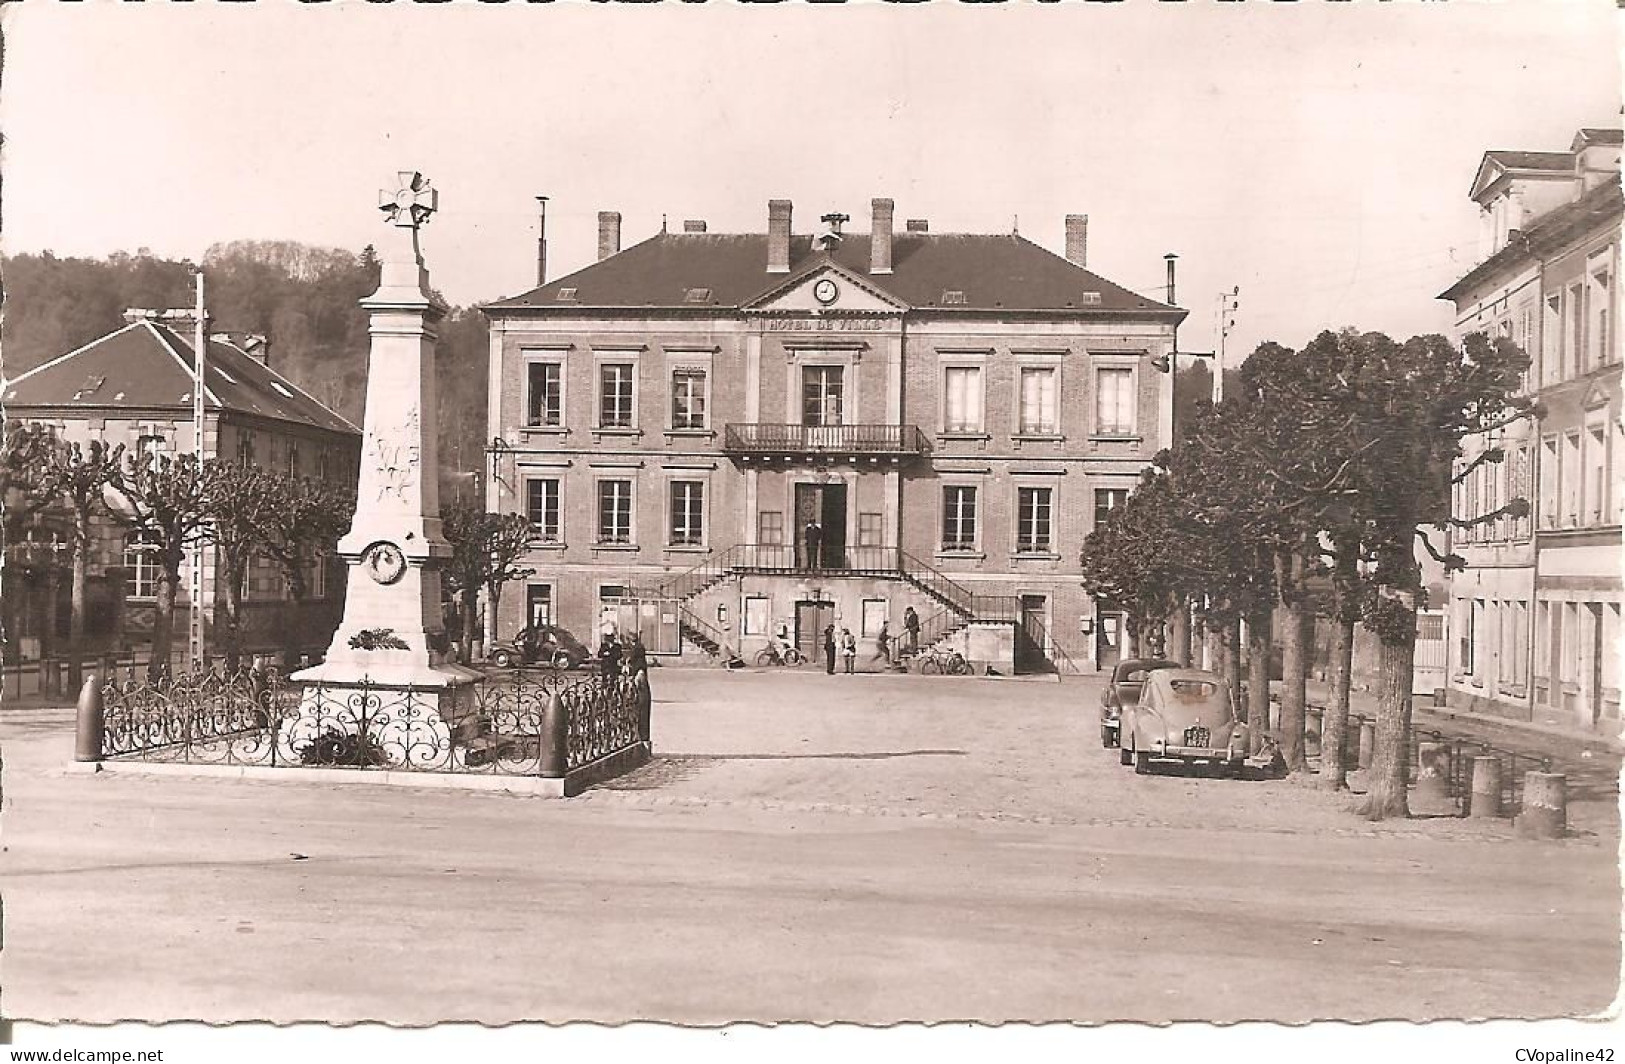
x,y
471,605
493,599
1180,627
1385,794
78,595
1229,660
1258,677
1294,671
1132,630
235,574
163,625
1334,723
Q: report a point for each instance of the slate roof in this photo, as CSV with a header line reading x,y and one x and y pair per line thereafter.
x,y
1533,160
1595,208
146,365
994,272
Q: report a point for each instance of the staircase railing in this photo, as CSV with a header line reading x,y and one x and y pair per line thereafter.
x,y
1034,631
707,632
934,629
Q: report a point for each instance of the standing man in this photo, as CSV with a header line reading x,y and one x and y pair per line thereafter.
x,y
609,658
813,536
849,650
829,650
637,659
911,629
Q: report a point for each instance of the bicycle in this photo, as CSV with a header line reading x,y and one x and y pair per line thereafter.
x,y
944,662
773,655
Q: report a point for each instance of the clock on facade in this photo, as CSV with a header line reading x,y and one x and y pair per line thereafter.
x,y
826,291
385,563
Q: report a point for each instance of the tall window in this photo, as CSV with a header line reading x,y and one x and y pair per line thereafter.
x,y
1518,666
1598,337
1551,346
821,395
869,529
958,518
149,445
1573,322
1107,500
1038,410
687,513
1114,402
1033,509
1596,476
770,528
542,508
544,391
1521,488
245,450
1571,480
614,511
962,399
688,398
615,382
293,459
140,565
1549,470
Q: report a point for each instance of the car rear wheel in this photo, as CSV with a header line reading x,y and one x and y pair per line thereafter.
x,y
502,659
1125,756
1106,737
1142,763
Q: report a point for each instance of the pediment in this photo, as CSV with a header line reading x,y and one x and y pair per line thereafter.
x,y
1596,397
827,287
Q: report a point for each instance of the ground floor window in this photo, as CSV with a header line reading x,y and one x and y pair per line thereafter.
x,y
758,609
875,614
140,563
539,605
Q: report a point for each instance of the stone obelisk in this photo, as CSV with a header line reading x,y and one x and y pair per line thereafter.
x,y
392,608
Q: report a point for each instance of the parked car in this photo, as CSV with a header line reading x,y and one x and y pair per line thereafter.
x,y
547,645
1186,717
1124,689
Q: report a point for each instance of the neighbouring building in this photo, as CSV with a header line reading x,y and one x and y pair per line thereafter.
x,y
134,386
1534,619
719,436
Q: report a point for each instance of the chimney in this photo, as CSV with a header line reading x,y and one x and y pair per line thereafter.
x,y
258,348
694,225
778,236
1169,259
1077,239
541,241
880,237
918,225
609,234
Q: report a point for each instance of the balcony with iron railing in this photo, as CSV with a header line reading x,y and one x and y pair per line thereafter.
x,y
757,439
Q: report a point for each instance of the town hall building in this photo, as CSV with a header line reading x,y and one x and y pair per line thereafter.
x,y
718,437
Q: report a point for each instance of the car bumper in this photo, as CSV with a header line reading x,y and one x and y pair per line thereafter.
x,y
1208,755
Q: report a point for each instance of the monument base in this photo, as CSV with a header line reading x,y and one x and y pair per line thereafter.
x,y
396,715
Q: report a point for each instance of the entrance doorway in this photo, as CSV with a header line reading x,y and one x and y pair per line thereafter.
x,y
1031,635
1109,628
825,506
811,620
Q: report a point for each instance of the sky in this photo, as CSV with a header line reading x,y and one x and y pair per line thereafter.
x,y
1317,156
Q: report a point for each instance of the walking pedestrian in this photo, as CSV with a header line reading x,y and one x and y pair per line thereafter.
x,y
849,650
829,650
637,658
609,658
911,629
883,643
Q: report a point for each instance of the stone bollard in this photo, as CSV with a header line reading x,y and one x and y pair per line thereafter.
x,y
88,739
1368,742
1485,799
1545,806
1431,793
645,706
555,738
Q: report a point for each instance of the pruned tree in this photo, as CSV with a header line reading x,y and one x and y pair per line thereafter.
x,y
240,501
77,475
303,525
165,499
485,551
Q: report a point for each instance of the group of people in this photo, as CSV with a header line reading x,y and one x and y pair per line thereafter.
x,y
886,644
618,657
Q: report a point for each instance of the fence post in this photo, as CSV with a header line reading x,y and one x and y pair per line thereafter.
x,y
1485,798
555,737
92,713
1368,742
645,706
1545,806
1314,718
1432,791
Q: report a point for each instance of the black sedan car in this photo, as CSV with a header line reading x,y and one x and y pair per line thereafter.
x,y
1124,687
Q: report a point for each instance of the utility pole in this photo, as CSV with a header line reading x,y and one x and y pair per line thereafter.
x,y
194,628
1229,303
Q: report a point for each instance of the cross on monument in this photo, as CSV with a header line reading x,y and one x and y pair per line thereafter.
x,y
410,205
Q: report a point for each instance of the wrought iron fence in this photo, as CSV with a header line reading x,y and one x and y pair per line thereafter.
x,y
1458,761
525,723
